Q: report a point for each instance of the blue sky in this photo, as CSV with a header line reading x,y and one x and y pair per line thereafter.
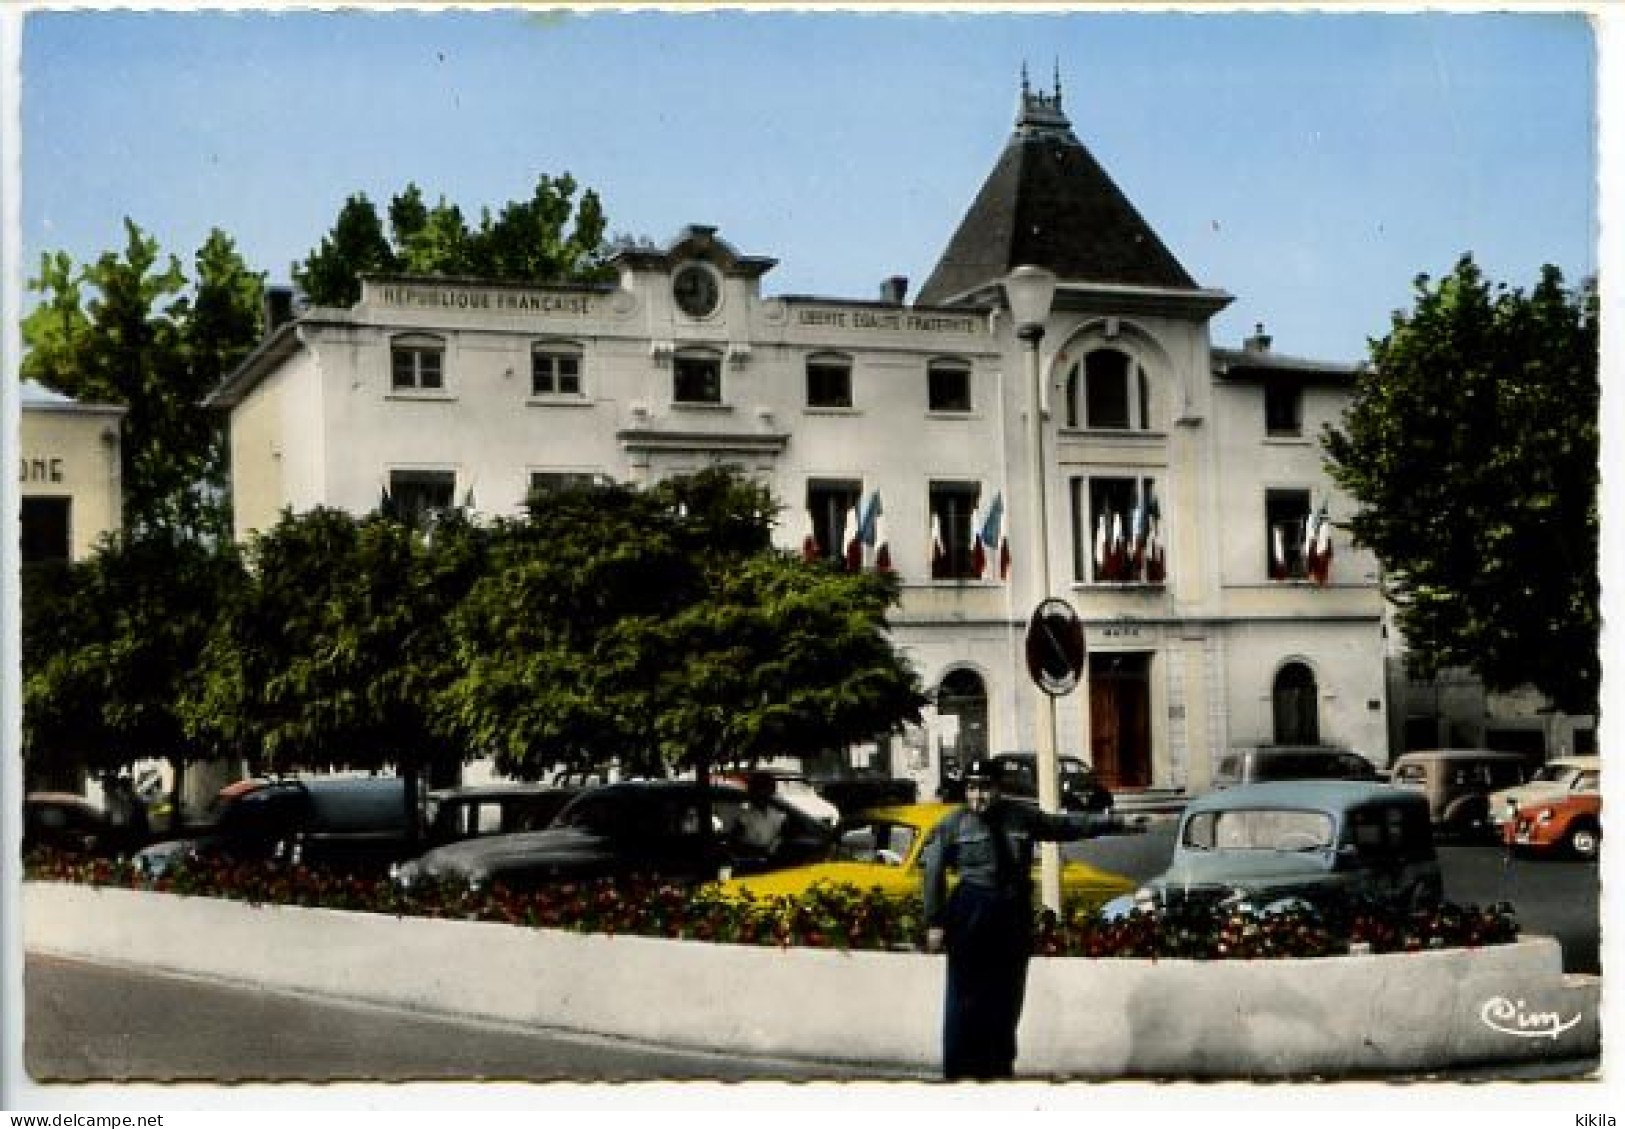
x,y
1310,165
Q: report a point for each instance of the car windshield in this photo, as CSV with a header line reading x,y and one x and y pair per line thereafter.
x,y
1260,829
1555,774
875,840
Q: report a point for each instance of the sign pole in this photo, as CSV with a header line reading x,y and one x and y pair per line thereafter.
x,y
1031,292
1049,790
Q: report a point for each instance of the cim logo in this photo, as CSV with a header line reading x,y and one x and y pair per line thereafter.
x,y
1509,1018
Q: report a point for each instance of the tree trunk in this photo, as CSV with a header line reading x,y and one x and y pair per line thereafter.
x,y
177,782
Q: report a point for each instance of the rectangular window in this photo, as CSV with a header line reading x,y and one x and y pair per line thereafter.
x,y
829,501
1283,409
1286,513
416,366
558,481
829,383
953,506
555,373
696,379
948,387
1117,531
45,529
415,495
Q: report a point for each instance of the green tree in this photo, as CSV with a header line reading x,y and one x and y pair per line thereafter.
x,y
550,237
1472,450
131,330
331,274
332,656
660,628
111,647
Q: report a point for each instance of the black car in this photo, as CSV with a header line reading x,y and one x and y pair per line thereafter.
x,y
355,824
651,828
1081,789
455,814
63,821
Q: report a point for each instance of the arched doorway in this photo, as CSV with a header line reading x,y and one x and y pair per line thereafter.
x,y
1297,705
962,695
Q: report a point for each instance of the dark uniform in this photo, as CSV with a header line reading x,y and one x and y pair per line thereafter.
x,y
988,923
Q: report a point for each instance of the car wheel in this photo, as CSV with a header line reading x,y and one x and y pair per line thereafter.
x,y
1584,841
1469,821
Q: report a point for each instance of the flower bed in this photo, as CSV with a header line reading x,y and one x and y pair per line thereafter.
x,y
841,917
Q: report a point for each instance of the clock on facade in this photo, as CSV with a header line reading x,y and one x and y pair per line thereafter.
x,y
695,289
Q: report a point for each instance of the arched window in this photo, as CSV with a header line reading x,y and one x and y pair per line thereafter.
x,y
1108,391
1297,706
963,695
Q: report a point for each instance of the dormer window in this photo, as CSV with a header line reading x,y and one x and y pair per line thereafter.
x,y
416,363
1108,391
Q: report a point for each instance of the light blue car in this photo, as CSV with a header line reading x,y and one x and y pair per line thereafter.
x,y
1268,846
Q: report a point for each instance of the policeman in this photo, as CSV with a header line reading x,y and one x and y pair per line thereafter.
x,y
986,924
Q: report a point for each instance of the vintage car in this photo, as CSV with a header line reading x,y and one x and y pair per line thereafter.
x,y
1458,783
1080,788
1570,823
1553,780
64,821
1254,764
360,825
468,812
645,828
884,849
1291,842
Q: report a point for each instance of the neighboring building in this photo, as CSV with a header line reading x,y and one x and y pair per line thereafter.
x,y
1180,477
1454,710
70,497
68,456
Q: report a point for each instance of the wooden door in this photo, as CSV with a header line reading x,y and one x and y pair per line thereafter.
x,y
1120,719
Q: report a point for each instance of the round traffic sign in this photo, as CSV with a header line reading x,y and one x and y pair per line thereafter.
x,y
1055,648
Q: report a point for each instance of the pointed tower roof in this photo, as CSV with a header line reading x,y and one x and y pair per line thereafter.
x,y
1049,203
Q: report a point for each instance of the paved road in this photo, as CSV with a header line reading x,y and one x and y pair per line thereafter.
x,y
85,1021
90,1023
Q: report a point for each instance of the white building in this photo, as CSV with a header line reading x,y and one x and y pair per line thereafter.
x,y
1213,633
68,470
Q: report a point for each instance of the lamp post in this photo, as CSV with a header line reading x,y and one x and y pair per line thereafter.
x,y
1031,292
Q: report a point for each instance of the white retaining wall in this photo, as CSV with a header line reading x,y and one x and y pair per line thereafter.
x,y
1085,1018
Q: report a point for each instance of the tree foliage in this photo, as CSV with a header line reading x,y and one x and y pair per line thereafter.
x,y
1472,450
130,329
332,654
549,237
659,628
113,644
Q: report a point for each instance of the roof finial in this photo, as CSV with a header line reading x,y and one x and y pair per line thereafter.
x,y
1040,111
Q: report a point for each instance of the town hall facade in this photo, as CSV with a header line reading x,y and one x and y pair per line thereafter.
x,y
1189,519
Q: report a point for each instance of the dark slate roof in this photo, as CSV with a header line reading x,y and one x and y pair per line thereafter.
x,y
1252,363
1049,203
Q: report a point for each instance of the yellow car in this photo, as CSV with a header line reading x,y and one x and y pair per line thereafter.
x,y
883,848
